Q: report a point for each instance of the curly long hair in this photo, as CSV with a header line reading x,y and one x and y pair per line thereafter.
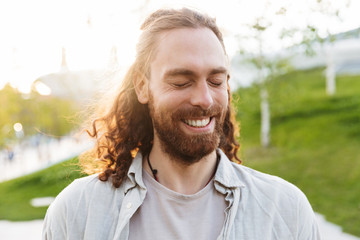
x,y
127,126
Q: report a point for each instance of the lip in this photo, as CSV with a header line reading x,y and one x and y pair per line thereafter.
x,y
197,130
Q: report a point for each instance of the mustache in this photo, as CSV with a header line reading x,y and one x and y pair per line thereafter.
x,y
197,112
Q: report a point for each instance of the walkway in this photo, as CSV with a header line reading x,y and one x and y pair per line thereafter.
x,y
30,157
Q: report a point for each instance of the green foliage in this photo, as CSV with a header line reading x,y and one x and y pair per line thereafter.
x,y
16,194
45,114
315,140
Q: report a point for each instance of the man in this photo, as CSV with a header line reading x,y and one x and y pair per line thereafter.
x,y
169,148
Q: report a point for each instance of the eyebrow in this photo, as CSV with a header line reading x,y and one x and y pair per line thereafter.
x,y
219,70
186,72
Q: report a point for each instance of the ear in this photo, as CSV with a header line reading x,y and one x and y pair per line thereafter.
x,y
141,85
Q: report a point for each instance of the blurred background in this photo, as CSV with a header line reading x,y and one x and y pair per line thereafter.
x,y
295,79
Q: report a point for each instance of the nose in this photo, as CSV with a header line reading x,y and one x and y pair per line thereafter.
x,y
201,95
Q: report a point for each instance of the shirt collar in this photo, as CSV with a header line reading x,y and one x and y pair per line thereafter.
x,y
225,173
135,173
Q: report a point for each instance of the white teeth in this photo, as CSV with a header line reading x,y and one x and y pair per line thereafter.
x,y
198,123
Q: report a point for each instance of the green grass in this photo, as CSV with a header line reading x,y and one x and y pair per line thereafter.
x,y
315,140
16,194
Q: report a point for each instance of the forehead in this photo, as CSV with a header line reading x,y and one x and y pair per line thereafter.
x,y
196,49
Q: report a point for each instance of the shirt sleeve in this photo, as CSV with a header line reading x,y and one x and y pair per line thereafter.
x,y
307,226
54,226
66,218
60,213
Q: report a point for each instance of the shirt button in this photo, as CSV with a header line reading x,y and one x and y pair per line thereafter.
x,y
129,205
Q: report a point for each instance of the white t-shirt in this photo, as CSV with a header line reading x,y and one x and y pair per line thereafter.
x,y
166,214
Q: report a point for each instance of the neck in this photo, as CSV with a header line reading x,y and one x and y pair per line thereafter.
x,y
180,177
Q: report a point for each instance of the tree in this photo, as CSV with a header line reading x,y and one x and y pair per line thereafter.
x,y
45,114
331,12
267,63
267,68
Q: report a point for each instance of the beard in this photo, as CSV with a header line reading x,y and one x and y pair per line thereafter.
x,y
176,143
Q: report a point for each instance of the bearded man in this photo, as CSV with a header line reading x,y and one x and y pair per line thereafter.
x,y
168,143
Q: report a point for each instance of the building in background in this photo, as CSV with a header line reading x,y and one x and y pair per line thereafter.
x,y
340,55
82,86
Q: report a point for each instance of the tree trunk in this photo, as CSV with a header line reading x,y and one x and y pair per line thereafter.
x,y
330,74
265,117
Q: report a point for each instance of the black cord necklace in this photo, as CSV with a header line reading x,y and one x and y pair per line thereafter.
x,y
154,171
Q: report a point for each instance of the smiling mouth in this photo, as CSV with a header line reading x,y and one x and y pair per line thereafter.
x,y
197,122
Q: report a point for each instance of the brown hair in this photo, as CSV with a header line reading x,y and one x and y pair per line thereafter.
x,y
127,127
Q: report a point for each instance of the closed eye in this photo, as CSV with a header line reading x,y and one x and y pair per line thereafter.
x,y
216,83
180,85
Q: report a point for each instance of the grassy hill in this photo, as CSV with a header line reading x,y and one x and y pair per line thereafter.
x,y
16,194
315,140
315,145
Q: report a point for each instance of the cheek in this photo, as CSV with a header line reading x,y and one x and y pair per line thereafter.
x,y
222,98
173,99
165,104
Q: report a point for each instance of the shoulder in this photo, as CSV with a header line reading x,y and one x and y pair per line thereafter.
x,y
76,189
82,191
279,200
74,206
86,185
276,200
260,187
272,195
260,183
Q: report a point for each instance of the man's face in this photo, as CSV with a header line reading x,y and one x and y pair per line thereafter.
x,y
188,95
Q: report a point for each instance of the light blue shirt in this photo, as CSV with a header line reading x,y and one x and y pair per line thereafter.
x,y
260,206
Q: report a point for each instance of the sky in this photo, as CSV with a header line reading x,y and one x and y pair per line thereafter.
x,y
34,32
